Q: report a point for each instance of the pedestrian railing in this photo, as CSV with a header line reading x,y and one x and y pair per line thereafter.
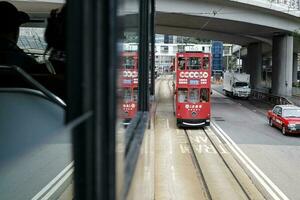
x,y
270,98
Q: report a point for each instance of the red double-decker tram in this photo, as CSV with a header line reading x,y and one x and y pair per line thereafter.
x,y
129,84
192,89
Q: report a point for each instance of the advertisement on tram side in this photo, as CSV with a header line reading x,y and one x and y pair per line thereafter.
x,y
192,89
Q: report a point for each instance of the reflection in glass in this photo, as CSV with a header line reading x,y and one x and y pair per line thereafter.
x,y
128,62
127,95
128,42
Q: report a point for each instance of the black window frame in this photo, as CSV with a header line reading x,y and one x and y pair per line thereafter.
x,y
92,60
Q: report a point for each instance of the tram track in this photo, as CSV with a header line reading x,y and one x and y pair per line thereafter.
x,y
197,165
200,165
216,173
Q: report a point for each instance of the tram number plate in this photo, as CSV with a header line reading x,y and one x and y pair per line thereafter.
x,y
194,82
126,81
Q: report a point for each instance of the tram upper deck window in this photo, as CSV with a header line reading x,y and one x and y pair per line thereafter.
x,y
194,95
205,62
194,63
204,95
181,63
182,95
128,62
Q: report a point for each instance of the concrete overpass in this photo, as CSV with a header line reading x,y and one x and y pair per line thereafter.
x,y
258,25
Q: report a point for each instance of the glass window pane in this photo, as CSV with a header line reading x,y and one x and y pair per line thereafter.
x,y
194,63
194,95
128,62
204,95
205,62
181,63
127,95
182,95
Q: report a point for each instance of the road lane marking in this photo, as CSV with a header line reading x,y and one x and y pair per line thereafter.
x,y
173,173
55,183
168,125
259,175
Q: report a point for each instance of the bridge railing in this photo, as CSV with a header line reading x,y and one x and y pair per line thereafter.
x,y
292,4
274,99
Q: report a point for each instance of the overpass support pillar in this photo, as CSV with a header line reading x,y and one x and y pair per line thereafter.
x,y
295,67
254,62
282,65
245,65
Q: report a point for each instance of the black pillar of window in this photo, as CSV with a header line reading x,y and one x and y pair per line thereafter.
x,y
91,89
152,29
143,100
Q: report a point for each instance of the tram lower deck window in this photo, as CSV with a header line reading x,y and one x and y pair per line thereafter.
x,y
194,95
182,95
127,95
135,94
204,95
128,62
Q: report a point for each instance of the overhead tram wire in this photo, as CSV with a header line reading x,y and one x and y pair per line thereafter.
x,y
214,14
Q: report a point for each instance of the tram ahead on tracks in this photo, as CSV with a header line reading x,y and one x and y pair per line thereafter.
x,y
129,85
192,89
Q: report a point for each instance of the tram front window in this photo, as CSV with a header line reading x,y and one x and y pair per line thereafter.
x,y
194,63
204,95
181,63
194,95
205,63
182,95
128,62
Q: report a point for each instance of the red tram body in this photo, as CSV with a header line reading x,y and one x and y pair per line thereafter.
x,y
192,89
129,85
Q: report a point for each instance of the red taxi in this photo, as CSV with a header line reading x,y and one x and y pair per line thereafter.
x,y
286,118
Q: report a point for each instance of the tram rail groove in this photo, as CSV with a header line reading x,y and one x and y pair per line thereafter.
x,y
195,160
246,187
242,185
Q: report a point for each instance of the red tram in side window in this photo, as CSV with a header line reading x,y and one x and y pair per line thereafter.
x,y
192,89
129,85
